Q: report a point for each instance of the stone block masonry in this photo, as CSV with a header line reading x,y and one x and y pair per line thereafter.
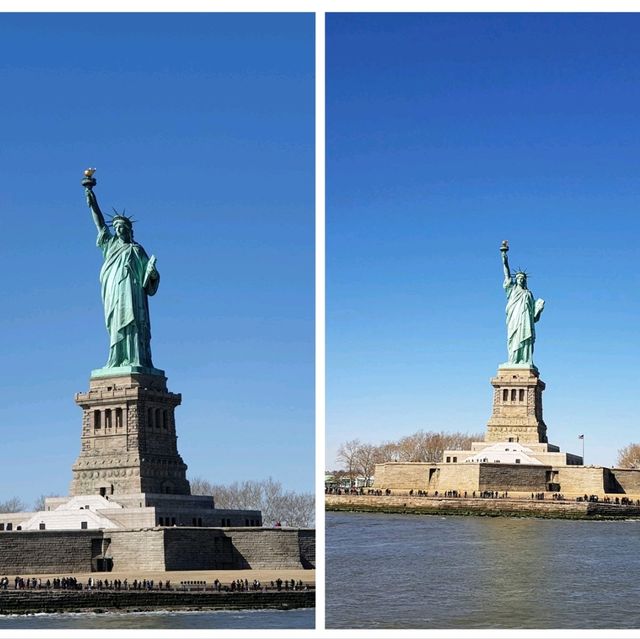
x,y
208,549
512,477
627,480
580,480
142,549
268,548
156,549
517,407
129,441
571,480
405,475
307,542
55,551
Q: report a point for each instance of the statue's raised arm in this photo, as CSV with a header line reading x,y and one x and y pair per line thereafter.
x,y
504,249
89,182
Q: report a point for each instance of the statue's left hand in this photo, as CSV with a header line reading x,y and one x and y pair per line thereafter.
x,y
151,266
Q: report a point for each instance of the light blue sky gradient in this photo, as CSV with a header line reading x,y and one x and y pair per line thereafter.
x,y
202,126
447,134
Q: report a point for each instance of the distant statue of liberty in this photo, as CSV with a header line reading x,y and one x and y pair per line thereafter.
x,y
522,313
128,276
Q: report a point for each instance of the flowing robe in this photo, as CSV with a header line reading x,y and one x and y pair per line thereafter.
x,y
125,284
522,314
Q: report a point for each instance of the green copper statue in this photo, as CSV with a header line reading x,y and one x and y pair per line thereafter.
x,y
127,278
522,313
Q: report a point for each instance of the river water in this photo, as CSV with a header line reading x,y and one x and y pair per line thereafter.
x,y
427,571
221,619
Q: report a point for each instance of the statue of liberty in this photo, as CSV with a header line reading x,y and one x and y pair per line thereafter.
x,y
128,276
522,313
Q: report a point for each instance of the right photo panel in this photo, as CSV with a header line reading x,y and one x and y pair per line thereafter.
x,y
482,321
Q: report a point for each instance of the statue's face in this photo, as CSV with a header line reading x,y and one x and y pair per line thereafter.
x,y
122,231
521,280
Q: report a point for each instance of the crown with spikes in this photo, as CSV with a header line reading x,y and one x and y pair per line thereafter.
x,y
129,221
521,271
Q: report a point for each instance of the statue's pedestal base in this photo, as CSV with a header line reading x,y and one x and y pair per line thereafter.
x,y
115,371
516,432
517,406
528,367
129,443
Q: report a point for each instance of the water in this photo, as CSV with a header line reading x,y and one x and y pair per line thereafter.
x,y
404,571
245,619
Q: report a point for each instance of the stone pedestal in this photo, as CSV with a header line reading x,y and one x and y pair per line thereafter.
x,y
517,406
516,432
129,443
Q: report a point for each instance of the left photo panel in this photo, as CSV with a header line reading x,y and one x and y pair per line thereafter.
x,y
157,426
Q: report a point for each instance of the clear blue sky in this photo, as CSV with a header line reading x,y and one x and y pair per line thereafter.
x,y
202,126
447,134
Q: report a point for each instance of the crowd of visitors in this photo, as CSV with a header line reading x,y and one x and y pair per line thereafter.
x,y
332,490
623,501
33,583
483,494
72,583
240,585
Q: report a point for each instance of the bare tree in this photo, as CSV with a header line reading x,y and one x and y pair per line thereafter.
x,y
629,456
430,446
422,446
347,454
39,503
287,507
389,452
200,486
366,458
13,505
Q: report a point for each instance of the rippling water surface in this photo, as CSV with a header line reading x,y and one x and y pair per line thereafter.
x,y
407,571
246,619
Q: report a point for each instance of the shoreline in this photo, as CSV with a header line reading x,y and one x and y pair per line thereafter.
x,y
481,507
30,602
